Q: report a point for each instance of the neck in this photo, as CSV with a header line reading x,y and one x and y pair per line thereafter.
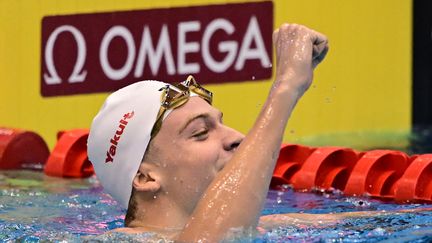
x,y
158,213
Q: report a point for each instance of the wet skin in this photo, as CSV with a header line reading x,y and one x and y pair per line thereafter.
x,y
198,181
201,178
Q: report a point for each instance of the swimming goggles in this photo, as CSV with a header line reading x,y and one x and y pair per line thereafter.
x,y
172,98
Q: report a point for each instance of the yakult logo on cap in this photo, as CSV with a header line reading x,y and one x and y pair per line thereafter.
x,y
111,152
100,52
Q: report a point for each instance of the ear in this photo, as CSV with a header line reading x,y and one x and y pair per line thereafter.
x,y
146,179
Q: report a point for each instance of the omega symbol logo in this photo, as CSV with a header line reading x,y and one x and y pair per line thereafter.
x,y
78,74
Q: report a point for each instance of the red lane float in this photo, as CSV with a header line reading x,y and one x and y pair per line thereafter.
x,y
379,173
416,183
20,149
69,157
376,173
382,174
289,162
326,168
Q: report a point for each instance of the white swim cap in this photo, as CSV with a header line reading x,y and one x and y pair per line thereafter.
x,y
121,132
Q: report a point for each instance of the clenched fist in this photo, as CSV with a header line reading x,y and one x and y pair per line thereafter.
x,y
298,51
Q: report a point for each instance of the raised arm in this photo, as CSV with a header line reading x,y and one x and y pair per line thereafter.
x,y
235,198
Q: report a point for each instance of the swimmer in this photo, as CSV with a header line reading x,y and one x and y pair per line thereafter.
x,y
164,153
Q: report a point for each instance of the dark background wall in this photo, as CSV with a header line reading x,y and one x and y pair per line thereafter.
x,y
422,64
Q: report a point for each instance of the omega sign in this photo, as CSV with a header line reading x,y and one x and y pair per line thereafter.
x,y
102,52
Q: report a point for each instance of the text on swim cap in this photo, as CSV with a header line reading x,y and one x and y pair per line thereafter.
x,y
110,153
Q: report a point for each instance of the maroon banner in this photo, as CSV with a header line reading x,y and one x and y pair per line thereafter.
x,y
100,52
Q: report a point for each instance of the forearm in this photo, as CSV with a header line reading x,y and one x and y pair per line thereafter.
x,y
273,221
269,222
244,181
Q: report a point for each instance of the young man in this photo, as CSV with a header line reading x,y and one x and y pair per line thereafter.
x,y
163,151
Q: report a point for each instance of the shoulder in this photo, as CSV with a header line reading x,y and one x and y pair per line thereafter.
x,y
127,230
165,236
128,235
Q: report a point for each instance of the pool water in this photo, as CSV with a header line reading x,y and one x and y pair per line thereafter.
x,y
36,208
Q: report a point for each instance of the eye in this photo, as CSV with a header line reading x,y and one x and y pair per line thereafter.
x,y
201,135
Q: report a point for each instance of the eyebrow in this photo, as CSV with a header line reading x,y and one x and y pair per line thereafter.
x,y
194,118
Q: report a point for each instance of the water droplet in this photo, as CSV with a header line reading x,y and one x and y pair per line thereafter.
x,y
278,200
253,77
314,86
154,197
334,88
292,131
377,231
327,100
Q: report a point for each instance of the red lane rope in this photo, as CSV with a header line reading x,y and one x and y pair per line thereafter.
x,y
384,174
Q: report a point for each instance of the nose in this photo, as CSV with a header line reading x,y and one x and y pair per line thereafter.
x,y
232,139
